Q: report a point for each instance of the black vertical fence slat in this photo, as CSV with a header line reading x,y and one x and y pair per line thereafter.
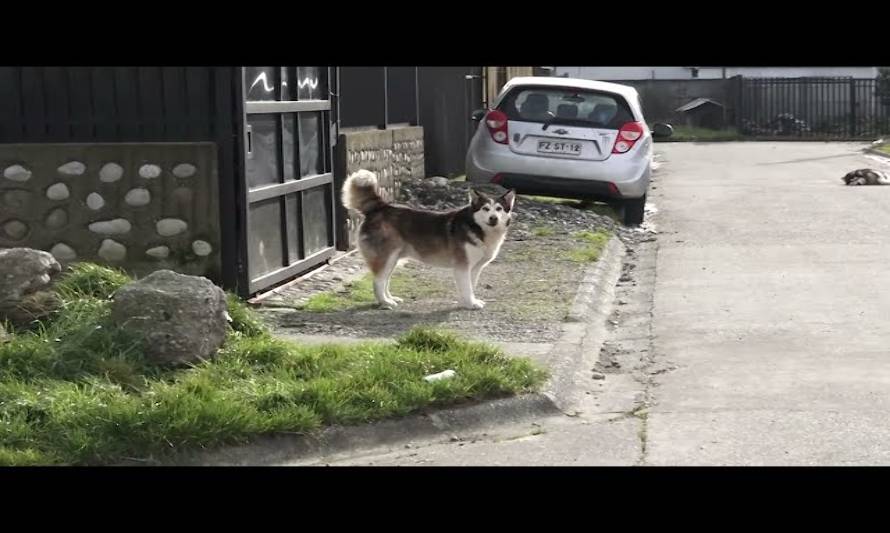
x,y
104,104
33,108
128,104
832,103
362,96
199,102
57,114
150,91
10,111
81,103
173,101
401,95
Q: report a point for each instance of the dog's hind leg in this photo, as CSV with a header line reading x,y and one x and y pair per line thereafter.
x,y
388,294
381,282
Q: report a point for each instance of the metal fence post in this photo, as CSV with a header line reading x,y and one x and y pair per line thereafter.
x,y
852,107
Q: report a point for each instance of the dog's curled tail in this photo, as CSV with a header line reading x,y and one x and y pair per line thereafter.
x,y
360,192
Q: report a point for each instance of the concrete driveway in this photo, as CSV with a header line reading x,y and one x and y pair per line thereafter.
x,y
772,299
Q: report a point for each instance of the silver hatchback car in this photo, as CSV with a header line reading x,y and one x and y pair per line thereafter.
x,y
567,137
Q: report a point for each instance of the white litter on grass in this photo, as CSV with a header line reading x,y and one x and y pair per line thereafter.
x,y
447,374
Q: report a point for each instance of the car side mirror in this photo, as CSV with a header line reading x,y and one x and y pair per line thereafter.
x,y
662,131
478,115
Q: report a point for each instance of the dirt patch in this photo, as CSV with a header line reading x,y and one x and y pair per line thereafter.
x,y
528,289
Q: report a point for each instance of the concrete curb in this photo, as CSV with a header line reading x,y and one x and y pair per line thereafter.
x,y
281,449
582,335
585,330
877,152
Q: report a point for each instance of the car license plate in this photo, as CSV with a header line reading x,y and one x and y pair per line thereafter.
x,y
559,147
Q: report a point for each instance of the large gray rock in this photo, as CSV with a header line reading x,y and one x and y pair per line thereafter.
x,y
25,276
180,318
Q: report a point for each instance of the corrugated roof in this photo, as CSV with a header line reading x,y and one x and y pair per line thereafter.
x,y
698,102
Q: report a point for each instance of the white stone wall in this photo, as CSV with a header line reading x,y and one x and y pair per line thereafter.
x,y
140,207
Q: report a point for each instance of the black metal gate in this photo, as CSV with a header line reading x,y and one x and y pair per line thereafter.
x,y
814,108
448,95
288,204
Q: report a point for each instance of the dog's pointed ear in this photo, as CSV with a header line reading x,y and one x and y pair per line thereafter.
x,y
477,198
508,199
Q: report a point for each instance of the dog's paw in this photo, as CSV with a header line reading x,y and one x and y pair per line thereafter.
x,y
396,299
475,303
388,305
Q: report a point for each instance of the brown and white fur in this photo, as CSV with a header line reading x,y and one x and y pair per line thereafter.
x,y
866,176
464,239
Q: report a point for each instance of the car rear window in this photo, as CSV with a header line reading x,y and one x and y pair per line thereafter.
x,y
566,106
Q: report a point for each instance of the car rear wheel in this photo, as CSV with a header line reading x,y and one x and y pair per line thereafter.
x,y
633,211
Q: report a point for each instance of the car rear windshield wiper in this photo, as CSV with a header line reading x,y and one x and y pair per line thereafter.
x,y
550,120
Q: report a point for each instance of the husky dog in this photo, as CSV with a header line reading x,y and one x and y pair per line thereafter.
x,y
464,239
866,176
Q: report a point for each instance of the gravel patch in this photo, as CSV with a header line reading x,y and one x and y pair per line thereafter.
x,y
528,289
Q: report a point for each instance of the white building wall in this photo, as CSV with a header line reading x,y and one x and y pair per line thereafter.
x,y
685,73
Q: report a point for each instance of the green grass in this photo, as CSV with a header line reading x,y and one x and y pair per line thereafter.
x,y
884,148
91,280
692,134
591,247
360,293
75,391
543,231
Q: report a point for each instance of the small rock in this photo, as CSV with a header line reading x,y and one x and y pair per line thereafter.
x,y
184,170
149,171
110,172
111,250
117,226
158,252
168,227
17,173
95,201
598,375
57,191
202,248
72,168
137,197
63,252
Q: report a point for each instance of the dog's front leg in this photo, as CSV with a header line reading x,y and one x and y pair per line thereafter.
x,y
477,271
463,277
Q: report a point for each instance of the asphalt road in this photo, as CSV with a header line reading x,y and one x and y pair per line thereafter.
x,y
772,299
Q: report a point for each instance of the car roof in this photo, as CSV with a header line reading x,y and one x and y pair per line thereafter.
x,y
626,91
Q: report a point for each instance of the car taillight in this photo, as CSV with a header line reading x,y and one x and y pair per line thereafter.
x,y
628,134
496,121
